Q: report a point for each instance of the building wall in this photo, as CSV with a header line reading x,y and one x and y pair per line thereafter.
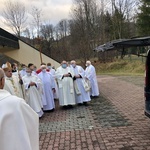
x,y
27,54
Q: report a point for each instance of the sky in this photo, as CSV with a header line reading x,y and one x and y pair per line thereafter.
x,y
52,10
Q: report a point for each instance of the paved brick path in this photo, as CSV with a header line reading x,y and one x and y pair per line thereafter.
x,y
114,121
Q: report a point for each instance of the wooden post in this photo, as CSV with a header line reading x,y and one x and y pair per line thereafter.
x,y
40,49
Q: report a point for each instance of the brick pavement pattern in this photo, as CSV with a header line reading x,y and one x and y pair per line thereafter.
x,y
114,121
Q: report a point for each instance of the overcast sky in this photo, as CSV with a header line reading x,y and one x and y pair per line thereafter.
x,y
52,10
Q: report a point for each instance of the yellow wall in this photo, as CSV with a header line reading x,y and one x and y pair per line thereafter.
x,y
26,54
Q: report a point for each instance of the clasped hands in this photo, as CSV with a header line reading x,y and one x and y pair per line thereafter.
x,y
77,76
32,84
67,75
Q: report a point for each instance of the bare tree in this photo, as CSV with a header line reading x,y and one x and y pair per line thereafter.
x,y
122,14
27,33
37,16
15,17
62,40
84,28
47,33
63,28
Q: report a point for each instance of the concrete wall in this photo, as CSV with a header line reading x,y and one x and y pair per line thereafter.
x,y
27,54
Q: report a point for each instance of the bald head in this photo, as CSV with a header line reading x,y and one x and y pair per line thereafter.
x,y
88,63
64,62
73,63
2,81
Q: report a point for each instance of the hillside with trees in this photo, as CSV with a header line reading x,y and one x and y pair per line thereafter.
x,y
92,23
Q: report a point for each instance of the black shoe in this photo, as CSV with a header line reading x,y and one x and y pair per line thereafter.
x,y
91,96
94,97
85,104
52,110
70,106
49,110
65,107
80,104
40,117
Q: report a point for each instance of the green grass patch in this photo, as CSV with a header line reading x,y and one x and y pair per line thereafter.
x,y
121,67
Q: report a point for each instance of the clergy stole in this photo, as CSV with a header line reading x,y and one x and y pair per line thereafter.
x,y
76,88
86,84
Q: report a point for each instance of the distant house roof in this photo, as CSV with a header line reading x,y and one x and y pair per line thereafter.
x,y
124,43
8,40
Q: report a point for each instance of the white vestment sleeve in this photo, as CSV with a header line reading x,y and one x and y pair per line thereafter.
x,y
31,120
59,74
26,85
81,72
38,82
52,81
89,72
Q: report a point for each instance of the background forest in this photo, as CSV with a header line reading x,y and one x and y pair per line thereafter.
x,y
91,23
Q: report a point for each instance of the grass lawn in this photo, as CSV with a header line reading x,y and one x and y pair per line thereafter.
x,y
126,67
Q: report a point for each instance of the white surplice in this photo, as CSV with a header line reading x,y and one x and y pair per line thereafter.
x,y
53,73
13,86
22,73
48,85
32,93
90,73
18,124
65,86
34,73
82,95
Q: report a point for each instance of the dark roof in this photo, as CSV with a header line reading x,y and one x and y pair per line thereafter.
x,y
8,40
124,43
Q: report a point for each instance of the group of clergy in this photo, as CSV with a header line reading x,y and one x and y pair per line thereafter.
x,y
69,83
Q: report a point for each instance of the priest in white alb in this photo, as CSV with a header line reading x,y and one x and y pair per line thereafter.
x,y
82,93
64,75
32,92
48,89
53,72
18,122
90,75
12,84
